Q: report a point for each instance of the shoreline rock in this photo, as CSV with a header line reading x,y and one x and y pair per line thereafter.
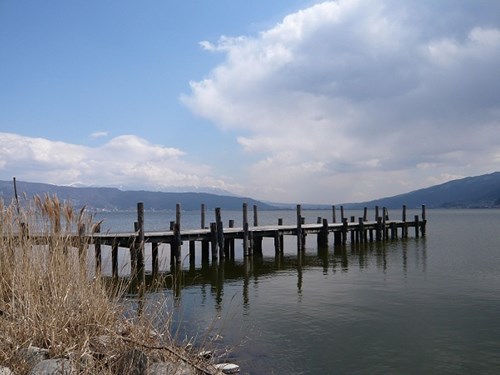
x,y
131,362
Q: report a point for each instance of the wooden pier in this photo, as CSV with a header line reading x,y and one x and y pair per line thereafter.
x,y
218,241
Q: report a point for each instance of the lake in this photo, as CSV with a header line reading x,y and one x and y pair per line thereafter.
x,y
420,305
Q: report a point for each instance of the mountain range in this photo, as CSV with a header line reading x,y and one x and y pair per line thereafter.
x,y
470,192
113,199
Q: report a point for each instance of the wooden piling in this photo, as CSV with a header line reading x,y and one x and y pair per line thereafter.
x,y
255,216
278,238
334,215
133,251
337,237
362,232
256,240
205,250
178,214
257,244
138,272
231,241
175,246
417,226
384,224
154,261
404,229
323,234
213,240
353,234
97,248
394,231
345,227
114,260
378,231
424,221
81,240
277,243
220,232
246,247
140,237
16,196
205,242
299,228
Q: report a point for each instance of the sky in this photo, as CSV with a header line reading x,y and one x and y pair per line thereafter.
x,y
286,101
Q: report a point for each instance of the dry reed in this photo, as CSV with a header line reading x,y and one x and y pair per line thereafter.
x,y
48,299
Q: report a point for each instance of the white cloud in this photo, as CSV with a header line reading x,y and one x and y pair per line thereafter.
x,y
126,160
99,134
352,99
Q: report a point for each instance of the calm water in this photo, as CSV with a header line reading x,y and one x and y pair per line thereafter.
x,y
423,305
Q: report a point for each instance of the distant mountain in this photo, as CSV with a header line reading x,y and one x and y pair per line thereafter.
x,y
119,200
470,192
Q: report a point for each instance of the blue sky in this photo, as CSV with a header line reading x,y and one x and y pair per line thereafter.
x,y
293,101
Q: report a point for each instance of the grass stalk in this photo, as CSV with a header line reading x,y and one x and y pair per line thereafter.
x,y
48,299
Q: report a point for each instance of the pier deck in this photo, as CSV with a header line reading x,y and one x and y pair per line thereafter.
x,y
221,240
168,237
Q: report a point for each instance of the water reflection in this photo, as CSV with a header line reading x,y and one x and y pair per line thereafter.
x,y
212,276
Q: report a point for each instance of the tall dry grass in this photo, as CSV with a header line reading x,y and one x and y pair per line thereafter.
x,y
48,299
